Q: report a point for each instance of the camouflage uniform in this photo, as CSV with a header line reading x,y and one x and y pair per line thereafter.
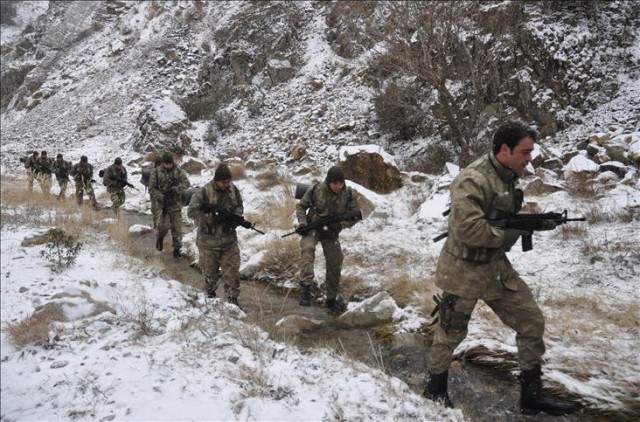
x,y
473,266
62,169
114,178
29,164
165,187
43,167
217,240
320,201
82,173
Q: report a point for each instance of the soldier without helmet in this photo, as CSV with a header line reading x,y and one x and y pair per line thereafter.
x,y
115,179
62,169
29,164
43,168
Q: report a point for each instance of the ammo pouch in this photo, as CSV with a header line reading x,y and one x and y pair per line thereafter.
x,y
450,320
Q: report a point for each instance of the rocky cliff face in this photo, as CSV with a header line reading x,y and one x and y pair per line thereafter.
x,y
428,81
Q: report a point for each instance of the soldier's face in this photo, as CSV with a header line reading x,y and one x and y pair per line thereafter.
x,y
223,185
336,187
167,166
518,158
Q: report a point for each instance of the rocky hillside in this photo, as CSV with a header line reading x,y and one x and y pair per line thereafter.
x,y
427,81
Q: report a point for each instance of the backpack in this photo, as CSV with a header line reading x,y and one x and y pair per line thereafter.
x,y
146,176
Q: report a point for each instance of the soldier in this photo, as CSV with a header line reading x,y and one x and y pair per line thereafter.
x,y
473,266
165,186
62,168
324,199
82,173
115,179
29,164
217,240
43,168
144,179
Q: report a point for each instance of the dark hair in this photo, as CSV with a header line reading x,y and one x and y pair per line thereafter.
x,y
84,159
167,157
59,156
118,161
510,133
43,153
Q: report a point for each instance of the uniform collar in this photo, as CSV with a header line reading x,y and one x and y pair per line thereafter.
x,y
504,173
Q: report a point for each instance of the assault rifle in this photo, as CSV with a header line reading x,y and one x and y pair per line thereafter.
x,y
125,183
323,222
235,219
528,223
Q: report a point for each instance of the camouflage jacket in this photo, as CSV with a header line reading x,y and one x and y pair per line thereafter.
x,y
62,169
319,201
43,165
473,262
114,178
215,231
166,186
30,162
82,172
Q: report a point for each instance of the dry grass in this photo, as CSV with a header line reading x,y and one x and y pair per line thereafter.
x,y
406,290
271,177
624,315
583,185
280,262
280,210
35,329
596,214
238,170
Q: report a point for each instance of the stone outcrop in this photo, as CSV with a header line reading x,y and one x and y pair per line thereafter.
x,y
370,170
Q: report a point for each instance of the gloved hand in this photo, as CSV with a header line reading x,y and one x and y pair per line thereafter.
x,y
245,224
335,227
206,207
511,236
301,229
547,225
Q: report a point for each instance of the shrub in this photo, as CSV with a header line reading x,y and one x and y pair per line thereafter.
x,y
61,250
35,328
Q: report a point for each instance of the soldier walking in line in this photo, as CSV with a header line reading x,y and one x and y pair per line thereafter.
x,y
30,163
43,169
144,179
165,186
217,240
329,198
82,173
62,169
473,266
115,179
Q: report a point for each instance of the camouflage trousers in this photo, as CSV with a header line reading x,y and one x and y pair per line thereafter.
x,y
517,309
30,178
117,199
171,220
81,189
44,180
333,259
63,188
221,265
154,212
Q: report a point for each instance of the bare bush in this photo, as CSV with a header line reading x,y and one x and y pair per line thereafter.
x,y
280,262
36,328
279,213
61,250
583,185
269,178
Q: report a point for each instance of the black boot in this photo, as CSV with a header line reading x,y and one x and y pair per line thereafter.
x,y
335,306
533,400
437,389
159,241
234,301
305,300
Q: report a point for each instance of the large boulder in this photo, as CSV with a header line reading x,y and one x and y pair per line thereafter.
x,y
376,310
371,167
162,126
